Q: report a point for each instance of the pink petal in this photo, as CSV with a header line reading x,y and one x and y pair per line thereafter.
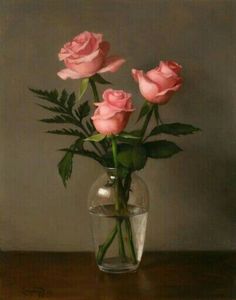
x,y
148,88
136,73
164,96
172,89
64,53
163,80
112,64
86,58
105,47
68,73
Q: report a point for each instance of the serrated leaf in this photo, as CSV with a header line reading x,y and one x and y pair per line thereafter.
x,y
50,96
174,129
63,97
64,131
99,79
132,157
161,149
65,167
53,108
144,110
90,127
54,94
84,109
71,100
95,138
59,119
83,87
81,151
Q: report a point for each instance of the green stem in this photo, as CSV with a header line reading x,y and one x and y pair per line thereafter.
x,y
130,240
127,183
128,227
157,115
118,204
114,150
93,143
103,248
94,88
120,237
146,122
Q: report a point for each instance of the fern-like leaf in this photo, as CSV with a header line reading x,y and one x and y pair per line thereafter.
x,y
56,109
70,131
60,119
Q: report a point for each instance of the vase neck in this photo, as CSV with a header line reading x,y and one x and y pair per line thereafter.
x,y
111,173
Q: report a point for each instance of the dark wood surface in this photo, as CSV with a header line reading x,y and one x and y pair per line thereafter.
x,y
74,276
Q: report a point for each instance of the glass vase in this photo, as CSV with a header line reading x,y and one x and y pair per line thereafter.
x,y
118,206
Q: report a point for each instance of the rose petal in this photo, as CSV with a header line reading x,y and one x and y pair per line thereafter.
x,y
164,96
68,73
103,112
135,73
112,64
86,69
170,67
163,80
148,88
105,47
85,58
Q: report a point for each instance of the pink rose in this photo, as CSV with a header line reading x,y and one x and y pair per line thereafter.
x,y
112,115
159,84
86,55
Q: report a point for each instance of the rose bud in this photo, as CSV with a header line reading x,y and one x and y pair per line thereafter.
x,y
159,84
86,55
112,115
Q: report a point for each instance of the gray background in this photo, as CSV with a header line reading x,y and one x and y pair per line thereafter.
x,y
193,194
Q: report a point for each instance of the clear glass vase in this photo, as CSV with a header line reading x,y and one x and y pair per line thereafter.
x,y
118,207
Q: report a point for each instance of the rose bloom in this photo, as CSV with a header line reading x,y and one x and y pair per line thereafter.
x,y
159,84
86,55
112,115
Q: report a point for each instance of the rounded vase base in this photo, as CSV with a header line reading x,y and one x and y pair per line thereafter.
x,y
116,265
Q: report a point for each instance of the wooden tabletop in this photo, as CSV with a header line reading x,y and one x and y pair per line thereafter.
x,y
74,276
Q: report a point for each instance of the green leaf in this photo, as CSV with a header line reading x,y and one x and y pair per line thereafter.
x,y
137,132
81,151
90,126
99,79
57,109
144,110
63,97
84,109
174,129
71,132
83,87
71,100
108,158
51,96
65,167
128,136
139,157
161,149
95,138
60,119
132,157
